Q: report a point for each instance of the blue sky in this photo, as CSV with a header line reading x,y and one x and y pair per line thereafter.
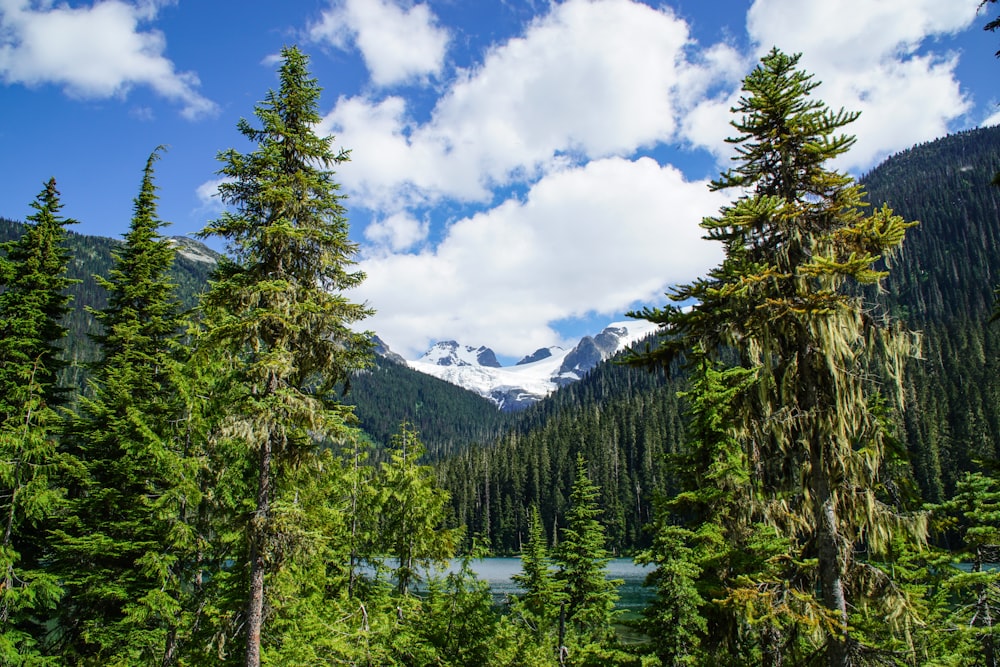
x,y
523,172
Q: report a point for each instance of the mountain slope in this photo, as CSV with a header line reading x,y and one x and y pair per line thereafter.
x,y
514,388
625,422
91,255
446,416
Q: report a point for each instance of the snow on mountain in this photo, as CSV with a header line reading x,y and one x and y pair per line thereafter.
x,y
535,376
450,353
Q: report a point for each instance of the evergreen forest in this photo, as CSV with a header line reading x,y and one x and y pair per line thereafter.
x,y
204,462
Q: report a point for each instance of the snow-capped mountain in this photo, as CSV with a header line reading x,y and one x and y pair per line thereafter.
x,y
536,375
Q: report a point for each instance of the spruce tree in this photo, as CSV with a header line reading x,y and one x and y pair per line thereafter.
x,y
413,511
33,301
582,559
796,241
538,607
276,308
123,548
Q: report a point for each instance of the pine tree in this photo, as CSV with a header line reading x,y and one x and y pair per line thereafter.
x,y
33,301
582,559
538,607
123,547
795,240
277,309
973,623
413,512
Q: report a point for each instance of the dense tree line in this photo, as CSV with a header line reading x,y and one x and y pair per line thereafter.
x,y
623,420
941,286
209,498
448,417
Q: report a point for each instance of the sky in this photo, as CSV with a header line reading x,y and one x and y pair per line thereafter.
x,y
522,172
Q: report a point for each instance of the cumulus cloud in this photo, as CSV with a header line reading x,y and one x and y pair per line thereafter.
x,y
591,79
400,43
96,51
867,56
563,112
588,239
397,233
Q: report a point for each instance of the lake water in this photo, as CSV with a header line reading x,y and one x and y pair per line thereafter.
x,y
633,596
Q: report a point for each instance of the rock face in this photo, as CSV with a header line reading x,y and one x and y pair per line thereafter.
x,y
536,375
381,349
450,353
537,355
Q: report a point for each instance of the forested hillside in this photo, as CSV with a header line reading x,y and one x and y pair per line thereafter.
x,y
210,500
943,286
626,421
448,418
90,256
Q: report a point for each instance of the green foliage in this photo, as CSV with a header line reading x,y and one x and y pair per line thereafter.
x,y
942,286
276,308
538,607
33,301
123,549
972,595
814,445
622,420
412,512
581,558
449,418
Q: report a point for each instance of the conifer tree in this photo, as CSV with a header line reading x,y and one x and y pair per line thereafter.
x,y
122,547
540,603
973,596
277,307
582,559
33,301
413,511
795,240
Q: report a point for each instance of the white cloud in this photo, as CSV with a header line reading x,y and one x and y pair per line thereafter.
x,y
397,233
867,56
564,110
590,79
96,51
591,239
399,43
208,195
992,119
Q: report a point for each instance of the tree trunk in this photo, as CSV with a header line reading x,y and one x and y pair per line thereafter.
x,y
830,575
255,605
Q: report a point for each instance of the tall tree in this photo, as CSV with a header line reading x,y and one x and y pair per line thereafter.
x,y
795,240
279,308
582,559
413,511
538,607
121,549
33,301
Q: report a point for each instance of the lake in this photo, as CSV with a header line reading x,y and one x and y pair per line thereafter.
x,y
633,596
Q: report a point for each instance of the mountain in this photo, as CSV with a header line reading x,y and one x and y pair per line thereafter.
x,y
513,388
446,416
627,423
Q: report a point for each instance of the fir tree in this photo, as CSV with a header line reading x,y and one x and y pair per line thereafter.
x,y
541,601
795,240
412,507
123,549
582,559
973,596
33,301
277,309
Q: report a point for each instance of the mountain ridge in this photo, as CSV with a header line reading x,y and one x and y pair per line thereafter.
x,y
535,376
